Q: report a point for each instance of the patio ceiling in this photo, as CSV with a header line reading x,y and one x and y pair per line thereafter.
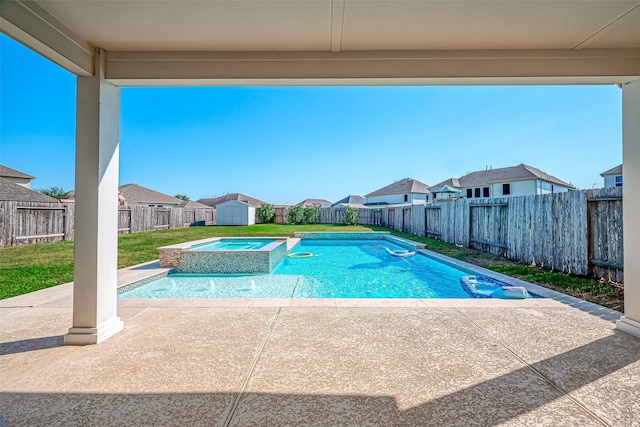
x,y
323,41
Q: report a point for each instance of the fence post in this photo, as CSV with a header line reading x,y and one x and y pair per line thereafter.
x,y
590,251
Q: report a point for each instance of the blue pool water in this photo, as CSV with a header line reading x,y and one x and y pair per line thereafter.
x,y
232,245
337,269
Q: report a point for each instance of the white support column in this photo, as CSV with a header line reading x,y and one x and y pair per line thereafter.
x,y
630,323
96,238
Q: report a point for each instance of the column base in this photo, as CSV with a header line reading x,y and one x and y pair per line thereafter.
x,y
87,336
630,326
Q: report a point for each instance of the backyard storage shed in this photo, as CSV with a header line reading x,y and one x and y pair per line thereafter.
x,y
234,212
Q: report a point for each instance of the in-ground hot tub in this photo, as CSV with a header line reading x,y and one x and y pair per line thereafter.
x,y
225,255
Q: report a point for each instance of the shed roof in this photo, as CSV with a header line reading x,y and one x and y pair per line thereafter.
x,y
520,172
404,186
7,172
613,171
12,191
214,201
226,202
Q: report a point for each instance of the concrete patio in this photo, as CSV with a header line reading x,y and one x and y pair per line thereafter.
x,y
553,361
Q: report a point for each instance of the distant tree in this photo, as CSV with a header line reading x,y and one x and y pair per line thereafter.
x,y
311,214
266,213
350,216
182,197
55,192
295,215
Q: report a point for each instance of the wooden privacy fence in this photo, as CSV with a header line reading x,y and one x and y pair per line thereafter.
x,y
335,216
33,222
578,232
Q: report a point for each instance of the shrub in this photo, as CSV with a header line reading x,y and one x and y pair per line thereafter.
x,y
311,215
266,213
295,215
350,216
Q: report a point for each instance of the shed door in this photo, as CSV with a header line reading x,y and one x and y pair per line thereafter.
x,y
232,215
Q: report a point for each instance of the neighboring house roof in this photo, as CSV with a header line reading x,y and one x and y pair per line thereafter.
x,y
451,182
137,194
404,186
192,204
350,200
14,192
314,202
520,172
214,201
613,171
7,172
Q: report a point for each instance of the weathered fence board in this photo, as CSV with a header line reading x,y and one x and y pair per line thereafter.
x,y
418,220
489,225
454,222
280,215
69,221
606,226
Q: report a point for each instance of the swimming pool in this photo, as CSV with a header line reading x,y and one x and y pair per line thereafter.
x,y
336,269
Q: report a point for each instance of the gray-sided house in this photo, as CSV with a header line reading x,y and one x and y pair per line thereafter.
x,y
16,176
351,200
407,190
520,180
613,177
235,212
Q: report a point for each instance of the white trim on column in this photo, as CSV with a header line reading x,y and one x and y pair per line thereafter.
x,y
438,67
37,29
630,326
630,322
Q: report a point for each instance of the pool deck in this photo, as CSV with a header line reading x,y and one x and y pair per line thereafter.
x,y
555,361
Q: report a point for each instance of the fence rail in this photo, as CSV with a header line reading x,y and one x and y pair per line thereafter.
x,y
32,222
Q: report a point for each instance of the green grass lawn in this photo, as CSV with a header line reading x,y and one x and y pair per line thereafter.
x,y
25,269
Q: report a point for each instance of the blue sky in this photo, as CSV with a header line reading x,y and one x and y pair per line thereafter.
x,y
285,144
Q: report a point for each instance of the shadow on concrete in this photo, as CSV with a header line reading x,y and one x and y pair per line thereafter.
x,y
526,396
32,344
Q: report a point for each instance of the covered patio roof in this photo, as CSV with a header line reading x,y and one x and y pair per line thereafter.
x,y
335,41
109,44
